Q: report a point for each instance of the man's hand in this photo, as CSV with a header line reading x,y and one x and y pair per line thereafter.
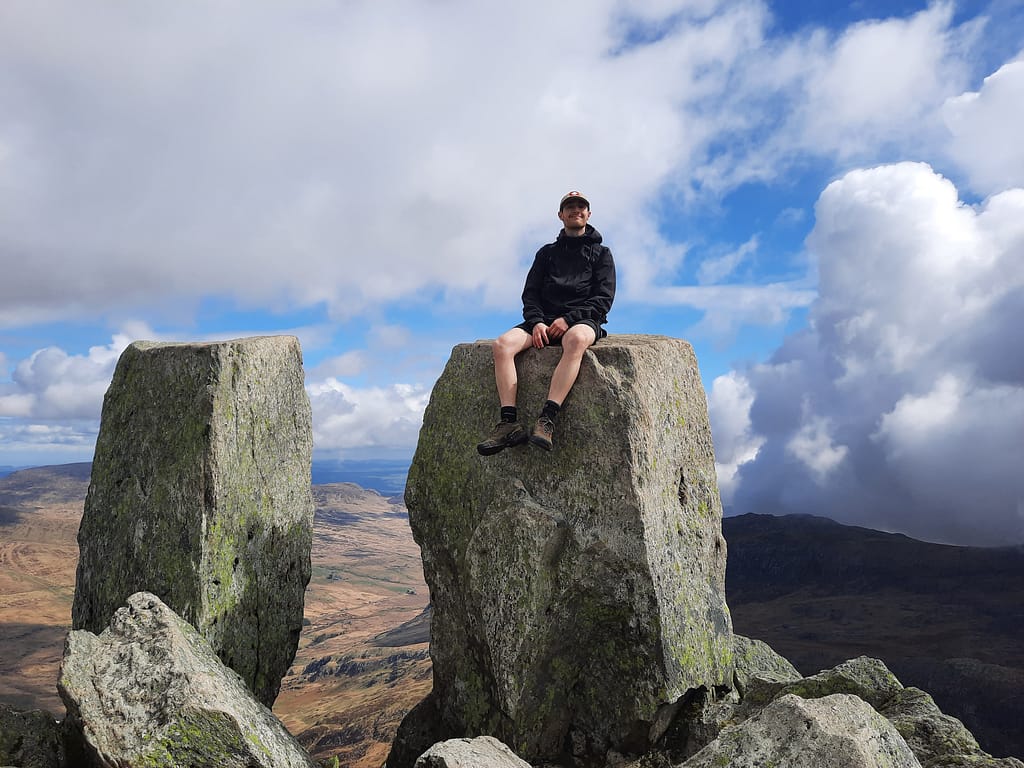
x,y
558,328
540,335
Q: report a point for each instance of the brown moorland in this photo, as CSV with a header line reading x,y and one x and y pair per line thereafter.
x,y
342,694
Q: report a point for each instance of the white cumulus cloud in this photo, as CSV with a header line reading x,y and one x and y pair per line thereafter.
x,y
52,384
349,420
903,402
729,404
986,127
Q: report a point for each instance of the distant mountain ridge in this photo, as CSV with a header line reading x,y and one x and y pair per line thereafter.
x,y
807,549
944,618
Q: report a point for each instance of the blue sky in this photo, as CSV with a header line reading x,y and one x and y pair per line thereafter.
x,y
827,200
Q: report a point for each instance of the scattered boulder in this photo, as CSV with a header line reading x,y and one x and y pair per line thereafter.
x,y
30,739
755,658
839,730
575,593
864,677
985,697
481,752
150,691
200,494
938,740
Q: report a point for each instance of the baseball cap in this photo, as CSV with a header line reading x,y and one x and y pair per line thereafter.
x,y
574,195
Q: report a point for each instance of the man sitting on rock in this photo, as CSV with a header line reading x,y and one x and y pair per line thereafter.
x,y
568,293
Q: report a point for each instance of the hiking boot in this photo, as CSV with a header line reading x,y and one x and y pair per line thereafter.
x,y
542,433
506,434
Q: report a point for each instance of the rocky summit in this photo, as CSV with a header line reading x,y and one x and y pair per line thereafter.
x,y
200,494
150,691
578,595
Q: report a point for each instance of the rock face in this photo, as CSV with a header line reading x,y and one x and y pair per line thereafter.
x,y
200,494
576,593
150,691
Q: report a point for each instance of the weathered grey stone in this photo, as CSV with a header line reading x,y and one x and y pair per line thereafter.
x,y
864,677
29,739
149,691
938,740
836,730
756,658
576,592
481,752
200,493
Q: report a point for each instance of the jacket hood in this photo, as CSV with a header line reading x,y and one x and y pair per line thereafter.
x,y
590,235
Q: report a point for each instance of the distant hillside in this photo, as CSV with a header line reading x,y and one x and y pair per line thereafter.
x,y
946,619
346,692
63,483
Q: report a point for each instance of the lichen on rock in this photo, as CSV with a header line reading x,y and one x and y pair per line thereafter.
x,y
835,730
577,592
150,691
757,658
938,740
200,493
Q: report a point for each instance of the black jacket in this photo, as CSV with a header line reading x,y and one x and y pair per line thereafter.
x,y
573,277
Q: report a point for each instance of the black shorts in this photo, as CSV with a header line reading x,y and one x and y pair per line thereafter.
x,y
599,332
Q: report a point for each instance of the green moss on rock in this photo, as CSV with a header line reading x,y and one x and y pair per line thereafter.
x,y
200,494
575,592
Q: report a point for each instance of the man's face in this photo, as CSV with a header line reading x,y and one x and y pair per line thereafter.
x,y
574,214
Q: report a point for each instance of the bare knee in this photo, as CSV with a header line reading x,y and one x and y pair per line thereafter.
x,y
577,340
509,344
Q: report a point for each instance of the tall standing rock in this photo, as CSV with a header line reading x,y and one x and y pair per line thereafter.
x,y
579,593
200,494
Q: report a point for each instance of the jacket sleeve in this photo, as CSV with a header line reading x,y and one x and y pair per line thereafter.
x,y
602,292
533,309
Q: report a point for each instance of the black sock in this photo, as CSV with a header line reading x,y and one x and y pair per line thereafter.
x,y
551,409
509,414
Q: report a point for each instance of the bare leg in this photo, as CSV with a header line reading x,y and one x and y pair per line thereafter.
x,y
575,342
505,349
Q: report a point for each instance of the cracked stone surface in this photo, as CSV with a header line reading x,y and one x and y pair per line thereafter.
x,y
150,691
835,730
576,593
200,494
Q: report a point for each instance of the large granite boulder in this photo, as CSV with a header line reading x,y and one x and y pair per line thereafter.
x,y
150,691
576,593
836,730
200,494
